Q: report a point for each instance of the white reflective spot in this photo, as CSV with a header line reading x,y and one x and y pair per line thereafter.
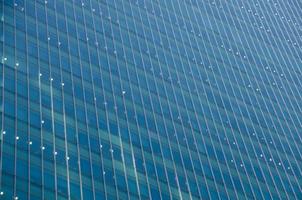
x,y
17,137
56,153
1,193
30,143
3,132
43,148
62,84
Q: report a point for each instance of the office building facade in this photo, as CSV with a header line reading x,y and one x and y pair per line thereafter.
x,y
151,99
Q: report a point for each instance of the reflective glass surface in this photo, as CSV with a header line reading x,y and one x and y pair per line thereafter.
x,y
150,99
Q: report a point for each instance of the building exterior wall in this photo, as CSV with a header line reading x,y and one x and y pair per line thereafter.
x,y
151,99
